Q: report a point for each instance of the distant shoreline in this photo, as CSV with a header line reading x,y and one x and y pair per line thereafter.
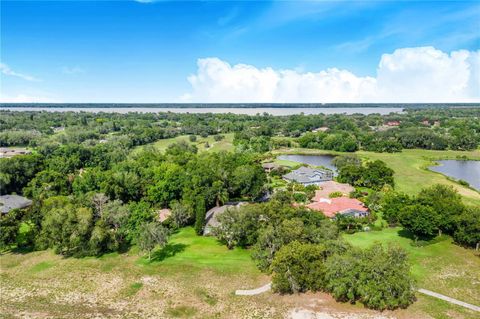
x,y
240,105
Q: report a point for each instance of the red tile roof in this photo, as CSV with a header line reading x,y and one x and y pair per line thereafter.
x,y
332,206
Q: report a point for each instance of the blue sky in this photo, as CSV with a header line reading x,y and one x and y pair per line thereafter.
x,y
128,51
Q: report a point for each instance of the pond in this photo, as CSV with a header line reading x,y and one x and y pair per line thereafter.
x,y
315,160
468,171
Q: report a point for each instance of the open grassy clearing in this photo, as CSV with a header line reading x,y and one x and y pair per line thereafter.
x,y
193,277
226,144
411,168
439,266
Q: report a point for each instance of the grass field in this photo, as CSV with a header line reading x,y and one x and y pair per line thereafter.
x,y
191,277
195,277
411,168
439,266
224,145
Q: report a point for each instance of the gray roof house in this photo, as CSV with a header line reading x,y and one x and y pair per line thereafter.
x,y
211,216
9,202
309,176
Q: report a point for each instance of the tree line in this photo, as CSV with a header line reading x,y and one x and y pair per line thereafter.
x,y
438,129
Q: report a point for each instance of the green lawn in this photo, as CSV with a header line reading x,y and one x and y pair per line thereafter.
x,y
192,276
412,173
186,249
411,168
224,145
439,266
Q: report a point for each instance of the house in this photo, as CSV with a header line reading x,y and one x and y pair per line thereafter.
x,y
340,205
58,129
11,152
393,123
211,220
426,122
320,129
309,176
164,214
9,202
268,167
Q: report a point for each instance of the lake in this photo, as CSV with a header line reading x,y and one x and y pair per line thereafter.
x,y
315,160
235,110
468,171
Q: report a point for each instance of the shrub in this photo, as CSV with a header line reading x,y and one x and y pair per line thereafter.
x,y
299,197
218,137
335,194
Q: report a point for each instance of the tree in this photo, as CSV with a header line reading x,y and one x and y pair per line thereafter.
x,y
151,235
182,214
237,226
377,174
351,174
200,213
378,277
140,213
170,179
9,227
467,228
248,180
420,220
384,280
66,228
445,202
392,204
219,193
342,275
298,267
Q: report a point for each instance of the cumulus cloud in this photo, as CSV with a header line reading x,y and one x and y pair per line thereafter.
x,y
421,74
5,69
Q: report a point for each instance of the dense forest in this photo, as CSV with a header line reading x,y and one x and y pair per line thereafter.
x,y
437,129
92,194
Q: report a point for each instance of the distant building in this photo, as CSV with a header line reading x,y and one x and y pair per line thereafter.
x,y
340,205
164,214
393,123
9,202
11,152
320,129
211,220
309,176
268,167
58,129
426,122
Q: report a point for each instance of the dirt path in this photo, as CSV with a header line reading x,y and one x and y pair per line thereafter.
x,y
448,299
268,286
253,292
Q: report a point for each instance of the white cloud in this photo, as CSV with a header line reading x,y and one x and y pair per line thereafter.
x,y
422,74
72,70
5,69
